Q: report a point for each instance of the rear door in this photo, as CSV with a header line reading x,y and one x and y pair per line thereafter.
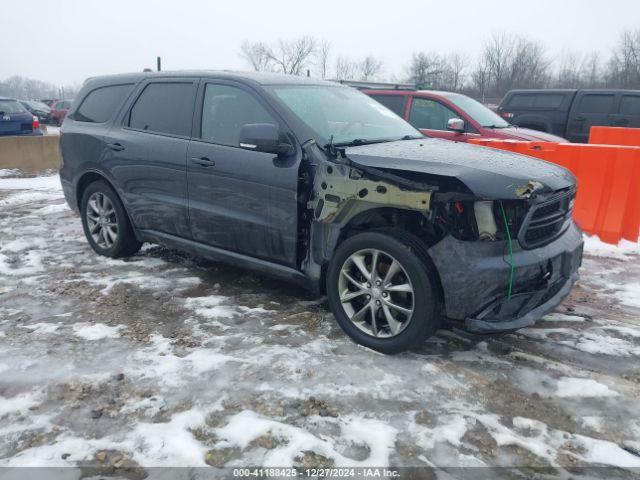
x,y
628,114
147,155
394,102
431,116
590,109
240,200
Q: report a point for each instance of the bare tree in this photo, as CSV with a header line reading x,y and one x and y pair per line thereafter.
x,y
28,88
288,56
455,71
370,67
255,53
292,56
624,65
346,69
322,58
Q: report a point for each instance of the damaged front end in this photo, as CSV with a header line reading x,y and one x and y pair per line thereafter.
x,y
501,263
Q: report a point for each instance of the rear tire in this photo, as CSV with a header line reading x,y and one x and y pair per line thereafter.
x,y
105,222
401,281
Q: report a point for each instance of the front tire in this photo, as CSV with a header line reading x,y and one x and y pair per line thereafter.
x,y
105,222
381,290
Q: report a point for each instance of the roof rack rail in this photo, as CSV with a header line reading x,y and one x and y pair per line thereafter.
x,y
377,85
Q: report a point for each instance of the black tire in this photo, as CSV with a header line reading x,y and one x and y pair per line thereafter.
x,y
125,243
411,253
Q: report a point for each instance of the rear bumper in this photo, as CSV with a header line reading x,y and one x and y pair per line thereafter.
x,y
475,280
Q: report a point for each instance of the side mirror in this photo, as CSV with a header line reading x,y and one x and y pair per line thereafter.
x,y
263,137
455,124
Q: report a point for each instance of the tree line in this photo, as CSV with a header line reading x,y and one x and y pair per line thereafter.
x,y
30,89
506,61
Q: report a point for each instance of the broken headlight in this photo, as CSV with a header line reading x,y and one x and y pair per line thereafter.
x,y
485,220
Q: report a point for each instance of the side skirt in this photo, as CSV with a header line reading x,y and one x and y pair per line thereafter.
x,y
225,256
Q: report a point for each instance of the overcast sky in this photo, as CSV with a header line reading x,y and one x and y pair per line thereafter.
x,y
65,41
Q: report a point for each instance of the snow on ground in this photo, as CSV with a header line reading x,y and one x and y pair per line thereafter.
x,y
52,130
164,359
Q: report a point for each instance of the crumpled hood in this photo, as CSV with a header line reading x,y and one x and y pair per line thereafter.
x,y
489,173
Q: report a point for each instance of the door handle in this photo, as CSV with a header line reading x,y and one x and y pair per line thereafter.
x,y
580,119
203,161
115,146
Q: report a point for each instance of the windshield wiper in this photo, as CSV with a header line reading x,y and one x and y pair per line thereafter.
x,y
361,141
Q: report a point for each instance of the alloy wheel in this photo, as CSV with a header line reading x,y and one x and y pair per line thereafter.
x,y
376,293
102,220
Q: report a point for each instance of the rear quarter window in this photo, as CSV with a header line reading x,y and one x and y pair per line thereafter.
x,y
395,103
596,103
100,104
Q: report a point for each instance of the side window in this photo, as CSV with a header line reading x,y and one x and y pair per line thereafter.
x,y
549,100
164,108
596,103
630,105
100,104
430,114
225,110
395,103
521,101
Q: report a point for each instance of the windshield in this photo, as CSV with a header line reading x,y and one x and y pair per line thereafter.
x,y
344,113
478,112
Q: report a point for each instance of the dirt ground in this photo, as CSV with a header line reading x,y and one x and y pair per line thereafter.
x,y
163,359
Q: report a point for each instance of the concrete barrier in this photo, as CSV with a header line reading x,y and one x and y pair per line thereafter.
x,y
30,154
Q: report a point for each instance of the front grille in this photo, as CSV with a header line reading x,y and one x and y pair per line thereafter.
x,y
545,220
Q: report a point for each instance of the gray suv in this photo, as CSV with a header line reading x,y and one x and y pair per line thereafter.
x,y
319,184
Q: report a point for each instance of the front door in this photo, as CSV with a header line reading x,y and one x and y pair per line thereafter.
x,y
240,200
431,117
628,115
590,109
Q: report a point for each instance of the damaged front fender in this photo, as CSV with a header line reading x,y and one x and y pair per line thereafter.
x,y
335,186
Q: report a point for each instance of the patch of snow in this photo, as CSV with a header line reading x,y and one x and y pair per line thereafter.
x,y
562,317
582,387
592,422
43,328
246,426
149,406
596,247
19,403
49,209
33,183
9,172
211,306
96,331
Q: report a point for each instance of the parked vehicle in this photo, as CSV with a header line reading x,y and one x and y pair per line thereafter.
x,y
59,111
319,184
451,116
17,120
571,113
39,109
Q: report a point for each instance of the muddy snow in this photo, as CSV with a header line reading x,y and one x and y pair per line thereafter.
x,y
165,359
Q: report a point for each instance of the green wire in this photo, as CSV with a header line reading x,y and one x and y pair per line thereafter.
x,y
511,270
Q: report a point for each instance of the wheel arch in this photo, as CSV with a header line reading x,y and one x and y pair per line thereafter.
x,y
326,237
92,176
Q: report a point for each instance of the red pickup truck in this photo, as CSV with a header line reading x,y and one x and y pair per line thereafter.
x,y
452,116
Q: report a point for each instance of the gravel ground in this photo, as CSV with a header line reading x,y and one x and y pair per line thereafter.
x,y
164,359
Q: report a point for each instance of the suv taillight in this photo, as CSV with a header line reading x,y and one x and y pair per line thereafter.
x,y
36,123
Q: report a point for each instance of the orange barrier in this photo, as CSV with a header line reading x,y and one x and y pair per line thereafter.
x,y
608,200
615,136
